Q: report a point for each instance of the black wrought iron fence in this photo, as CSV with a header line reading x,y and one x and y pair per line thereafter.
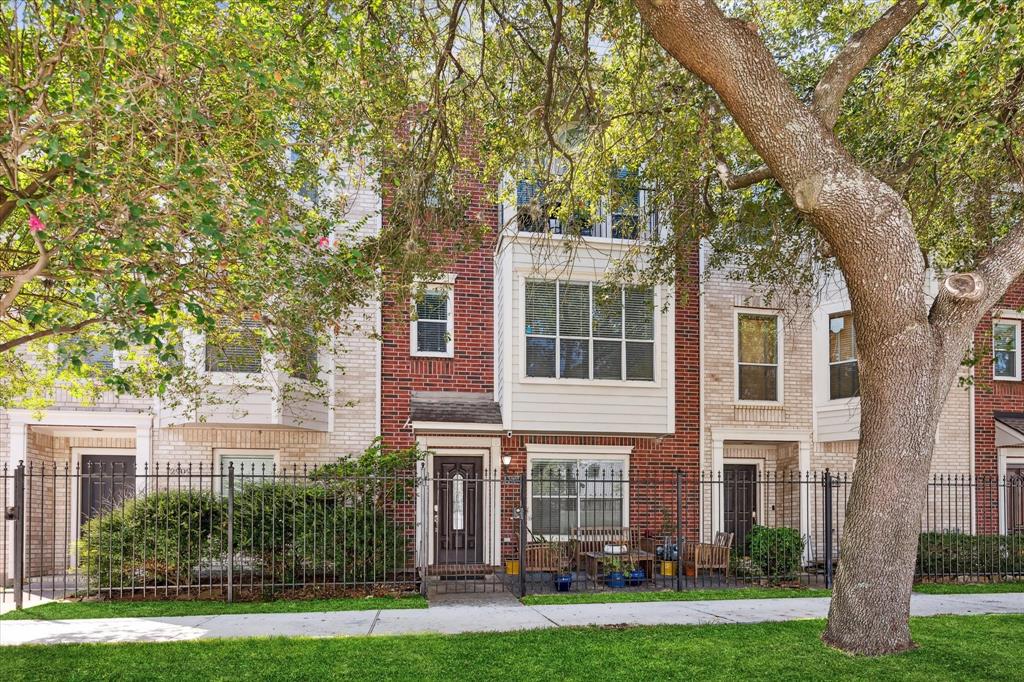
x,y
255,531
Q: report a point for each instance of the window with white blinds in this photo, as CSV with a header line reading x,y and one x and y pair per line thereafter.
x,y
235,349
589,331
843,375
1006,349
433,326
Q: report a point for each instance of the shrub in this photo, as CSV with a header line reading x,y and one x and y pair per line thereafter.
x,y
281,532
776,551
157,539
953,554
297,531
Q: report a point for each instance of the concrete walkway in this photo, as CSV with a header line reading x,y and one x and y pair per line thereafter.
x,y
493,615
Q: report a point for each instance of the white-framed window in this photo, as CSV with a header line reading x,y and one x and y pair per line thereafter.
x,y
433,325
589,331
843,375
100,357
250,466
578,492
234,350
758,353
1006,350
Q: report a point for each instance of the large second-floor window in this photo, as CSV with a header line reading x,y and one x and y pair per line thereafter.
x,y
757,341
843,375
1006,349
234,350
588,331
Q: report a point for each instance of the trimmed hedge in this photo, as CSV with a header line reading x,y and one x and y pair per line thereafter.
x,y
776,552
281,533
959,554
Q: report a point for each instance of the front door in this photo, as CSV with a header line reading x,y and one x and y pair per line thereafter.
x,y
458,510
106,481
740,501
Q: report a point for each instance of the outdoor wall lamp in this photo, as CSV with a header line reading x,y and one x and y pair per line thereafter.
x,y
506,460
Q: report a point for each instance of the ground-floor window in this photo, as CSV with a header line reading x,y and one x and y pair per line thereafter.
x,y
250,467
567,494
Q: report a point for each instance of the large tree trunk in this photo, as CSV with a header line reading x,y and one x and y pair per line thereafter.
x,y
901,401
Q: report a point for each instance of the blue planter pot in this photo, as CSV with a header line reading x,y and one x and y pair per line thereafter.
x,y
563,583
616,579
636,577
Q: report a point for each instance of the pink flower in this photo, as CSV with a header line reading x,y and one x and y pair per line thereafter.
x,y
260,220
35,224
323,242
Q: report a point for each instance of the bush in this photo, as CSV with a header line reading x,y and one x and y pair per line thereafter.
x,y
303,531
776,552
959,554
282,532
157,539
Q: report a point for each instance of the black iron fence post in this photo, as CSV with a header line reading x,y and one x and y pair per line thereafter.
x,y
679,532
231,532
522,535
827,500
19,534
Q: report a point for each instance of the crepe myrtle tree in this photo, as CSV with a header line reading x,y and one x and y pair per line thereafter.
x,y
168,168
882,140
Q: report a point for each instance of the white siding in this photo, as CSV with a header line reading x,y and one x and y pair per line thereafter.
x,y
548,405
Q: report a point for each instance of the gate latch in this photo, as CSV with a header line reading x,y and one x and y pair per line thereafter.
x,y
11,514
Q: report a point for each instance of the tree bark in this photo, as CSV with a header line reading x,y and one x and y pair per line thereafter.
x,y
909,349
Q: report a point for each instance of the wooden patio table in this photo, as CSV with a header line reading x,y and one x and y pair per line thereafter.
x,y
643,559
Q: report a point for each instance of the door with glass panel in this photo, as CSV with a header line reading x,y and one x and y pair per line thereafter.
x,y
458,510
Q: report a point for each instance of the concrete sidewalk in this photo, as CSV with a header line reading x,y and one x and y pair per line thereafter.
x,y
504,615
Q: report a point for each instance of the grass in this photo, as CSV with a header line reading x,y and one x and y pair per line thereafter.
x,y
975,588
751,593
950,647
688,595
152,609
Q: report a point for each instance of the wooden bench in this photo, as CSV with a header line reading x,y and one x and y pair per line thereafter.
x,y
709,556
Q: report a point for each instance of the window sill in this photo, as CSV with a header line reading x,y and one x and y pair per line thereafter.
x,y
425,354
995,378
549,381
758,403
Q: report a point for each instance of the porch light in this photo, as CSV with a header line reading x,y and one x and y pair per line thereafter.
x,y
506,459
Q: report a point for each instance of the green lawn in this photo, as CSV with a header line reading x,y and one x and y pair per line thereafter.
x,y
980,588
150,609
750,593
950,647
687,595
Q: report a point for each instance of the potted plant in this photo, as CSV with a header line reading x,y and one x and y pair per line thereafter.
x,y
614,576
633,574
563,582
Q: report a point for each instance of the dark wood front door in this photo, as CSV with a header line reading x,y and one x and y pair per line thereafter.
x,y
105,482
458,510
740,501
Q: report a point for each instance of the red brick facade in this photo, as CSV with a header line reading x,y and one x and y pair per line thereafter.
x,y
653,461
991,396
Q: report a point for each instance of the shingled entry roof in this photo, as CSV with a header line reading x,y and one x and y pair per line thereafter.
x,y
454,407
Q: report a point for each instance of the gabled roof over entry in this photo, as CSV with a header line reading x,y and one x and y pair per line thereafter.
x,y
1009,428
454,407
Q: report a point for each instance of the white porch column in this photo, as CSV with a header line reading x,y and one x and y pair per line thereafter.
x,y
143,456
19,442
804,463
717,478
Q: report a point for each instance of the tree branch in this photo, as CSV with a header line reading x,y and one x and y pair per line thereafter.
x,y
43,333
826,102
25,276
854,57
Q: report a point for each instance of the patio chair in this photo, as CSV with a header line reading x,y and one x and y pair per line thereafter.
x,y
710,556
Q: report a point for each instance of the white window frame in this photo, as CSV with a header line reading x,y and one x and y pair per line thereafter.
x,y
779,373
446,285
222,454
522,336
227,377
576,453
1016,323
828,351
